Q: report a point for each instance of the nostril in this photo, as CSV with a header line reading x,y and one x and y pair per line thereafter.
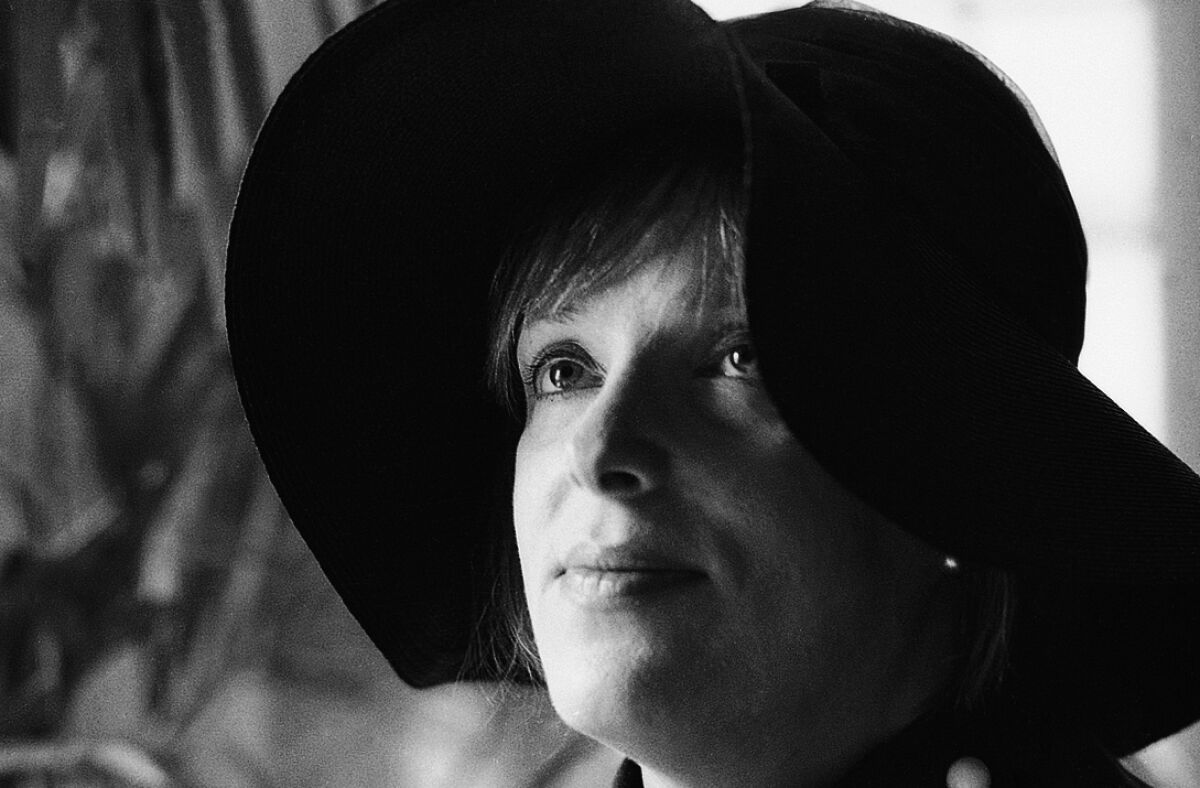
x,y
620,482
618,463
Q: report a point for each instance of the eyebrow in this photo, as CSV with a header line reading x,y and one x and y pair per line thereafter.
x,y
733,325
560,313
564,314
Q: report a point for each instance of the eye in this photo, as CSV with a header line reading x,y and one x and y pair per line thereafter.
x,y
560,374
740,361
559,370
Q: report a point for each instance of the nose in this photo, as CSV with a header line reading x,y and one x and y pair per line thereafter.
x,y
619,448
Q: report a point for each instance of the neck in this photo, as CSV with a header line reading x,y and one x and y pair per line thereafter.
x,y
771,752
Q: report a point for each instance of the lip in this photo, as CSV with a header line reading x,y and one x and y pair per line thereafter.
x,y
609,576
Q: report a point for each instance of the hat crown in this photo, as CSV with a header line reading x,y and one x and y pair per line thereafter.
x,y
947,142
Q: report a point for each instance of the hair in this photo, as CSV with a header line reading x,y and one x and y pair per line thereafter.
x,y
985,633
649,200
662,200
596,231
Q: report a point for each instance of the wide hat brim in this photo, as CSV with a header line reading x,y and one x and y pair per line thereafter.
x,y
409,150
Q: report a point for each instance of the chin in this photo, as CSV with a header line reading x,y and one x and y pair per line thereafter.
x,y
593,705
625,693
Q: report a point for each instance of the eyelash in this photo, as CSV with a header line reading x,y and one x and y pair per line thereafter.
x,y
567,351
737,342
573,352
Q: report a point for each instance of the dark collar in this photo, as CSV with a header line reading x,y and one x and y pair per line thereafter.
x,y
1019,747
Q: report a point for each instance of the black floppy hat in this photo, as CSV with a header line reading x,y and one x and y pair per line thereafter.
x,y
914,273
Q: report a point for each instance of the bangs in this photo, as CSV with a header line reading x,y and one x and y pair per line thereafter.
x,y
690,207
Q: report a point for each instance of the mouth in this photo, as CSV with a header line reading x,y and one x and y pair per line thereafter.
x,y
603,585
614,576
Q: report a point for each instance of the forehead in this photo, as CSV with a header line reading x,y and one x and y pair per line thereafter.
x,y
696,270
670,285
665,296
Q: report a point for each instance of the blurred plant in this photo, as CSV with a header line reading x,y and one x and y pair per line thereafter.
x,y
150,593
135,522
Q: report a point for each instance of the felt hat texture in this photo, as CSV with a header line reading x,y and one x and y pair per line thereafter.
x,y
915,277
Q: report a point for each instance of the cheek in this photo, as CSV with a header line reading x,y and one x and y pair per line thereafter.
x,y
525,497
813,553
856,578
537,494
523,492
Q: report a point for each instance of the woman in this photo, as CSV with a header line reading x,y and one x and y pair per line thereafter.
x,y
669,525
895,539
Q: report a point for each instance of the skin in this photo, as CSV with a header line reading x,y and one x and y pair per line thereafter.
x,y
705,598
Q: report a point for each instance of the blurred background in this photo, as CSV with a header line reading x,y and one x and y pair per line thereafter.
x,y
160,623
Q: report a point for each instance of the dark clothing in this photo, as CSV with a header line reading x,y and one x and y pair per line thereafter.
x,y
1019,749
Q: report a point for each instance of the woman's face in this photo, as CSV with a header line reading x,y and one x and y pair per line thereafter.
x,y
702,593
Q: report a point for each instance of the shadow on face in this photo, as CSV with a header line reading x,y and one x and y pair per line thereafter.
x,y
689,568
